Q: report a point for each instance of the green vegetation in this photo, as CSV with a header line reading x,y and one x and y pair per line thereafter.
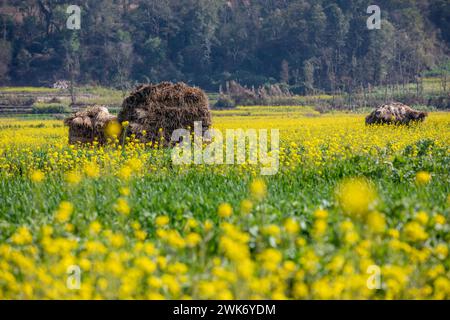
x,y
50,108
346,197
28,90
312,46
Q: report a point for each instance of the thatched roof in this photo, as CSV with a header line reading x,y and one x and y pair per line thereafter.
x,y
89,125
395,113
165,106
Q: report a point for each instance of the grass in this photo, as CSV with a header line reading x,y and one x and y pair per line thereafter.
x,y
28,90
264,111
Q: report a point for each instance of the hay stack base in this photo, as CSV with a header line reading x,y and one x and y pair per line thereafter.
x,y
155,111
89,125
395,113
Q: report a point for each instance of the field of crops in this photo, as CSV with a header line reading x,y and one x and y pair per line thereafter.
x,y
353,212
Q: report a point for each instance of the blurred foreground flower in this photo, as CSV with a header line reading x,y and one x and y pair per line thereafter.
x,y
376,222
73,178
415,232
64,212
37,176
122,207
423,178
162,221
356,197
246,206
113,129
22,236
225,210
258,189
92,170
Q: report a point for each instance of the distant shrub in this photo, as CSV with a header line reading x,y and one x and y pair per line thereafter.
x,y
50,108
269,94
282,101
225,102
17,101
441,102
54,100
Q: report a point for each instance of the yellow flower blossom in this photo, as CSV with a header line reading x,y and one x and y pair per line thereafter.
x,y
376,222
321,214
73,178
356,197
95,227
37,176
162,221
193,239
271,230
258,189
22,236
92,170
113,129
125,192
415,232
441,251
246,206
64,212
208,225
422,217
291,226
440,220
122,207
225,210
423,178
319,228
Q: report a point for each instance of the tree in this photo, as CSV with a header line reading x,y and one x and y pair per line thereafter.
x,y
309,44
308,75
73,62
284,74
5,61
121,56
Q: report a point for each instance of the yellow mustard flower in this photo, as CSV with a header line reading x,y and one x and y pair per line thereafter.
x,y
356,196
423,178
122,207
225,210
258,189
64,212
162,221
37,176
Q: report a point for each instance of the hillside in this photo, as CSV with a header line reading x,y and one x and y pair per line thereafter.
x,y
312,46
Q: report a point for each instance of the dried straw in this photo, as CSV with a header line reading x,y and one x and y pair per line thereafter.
x,y
89,125
395,113
155,111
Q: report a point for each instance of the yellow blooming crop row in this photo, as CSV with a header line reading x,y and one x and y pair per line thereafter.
x,y
26,145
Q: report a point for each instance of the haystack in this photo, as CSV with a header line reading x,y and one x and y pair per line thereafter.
x,y
89,125
155,111
395,113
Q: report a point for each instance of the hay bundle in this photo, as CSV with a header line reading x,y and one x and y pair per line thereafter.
x,y
165,106
395,113
89,125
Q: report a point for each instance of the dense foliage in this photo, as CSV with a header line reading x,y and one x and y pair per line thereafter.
x,y
307,44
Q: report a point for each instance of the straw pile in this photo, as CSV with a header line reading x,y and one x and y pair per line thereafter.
x,y
155,111
395,113
89,125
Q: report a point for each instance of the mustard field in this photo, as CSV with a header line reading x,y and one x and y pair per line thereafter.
x,y
353,212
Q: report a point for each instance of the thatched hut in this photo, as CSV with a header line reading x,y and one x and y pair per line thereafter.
x,y
395,113
89,125
155,111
